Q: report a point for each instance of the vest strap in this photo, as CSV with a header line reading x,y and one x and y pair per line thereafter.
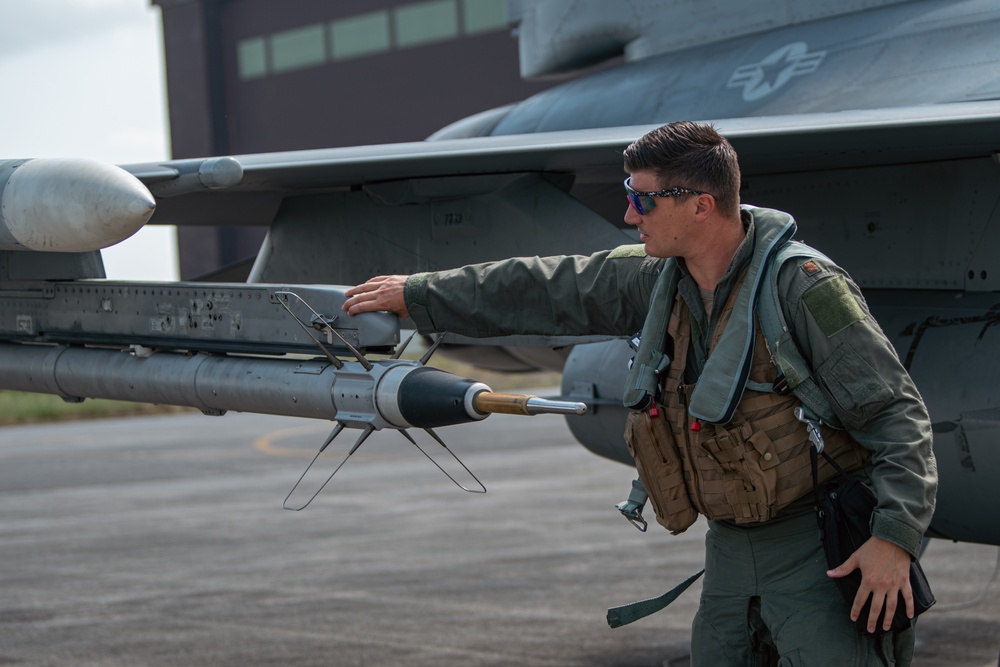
x,y
762,387
787,356
628,613
650,360
632,508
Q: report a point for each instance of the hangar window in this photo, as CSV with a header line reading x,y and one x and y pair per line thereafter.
x,y
407,25
426,22
298,48
251,58
357,36
483,16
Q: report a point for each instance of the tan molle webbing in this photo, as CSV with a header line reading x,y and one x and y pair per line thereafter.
x,y
658,463
657,444
745,471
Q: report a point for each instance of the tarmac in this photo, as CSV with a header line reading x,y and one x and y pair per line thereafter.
x,y
162,541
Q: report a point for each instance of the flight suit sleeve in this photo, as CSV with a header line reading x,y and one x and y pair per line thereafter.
x,y
605,293
871,392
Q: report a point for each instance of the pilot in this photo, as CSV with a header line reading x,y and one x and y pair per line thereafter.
x,y
768,592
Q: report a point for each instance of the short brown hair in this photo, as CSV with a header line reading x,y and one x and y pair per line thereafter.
x,y
691,155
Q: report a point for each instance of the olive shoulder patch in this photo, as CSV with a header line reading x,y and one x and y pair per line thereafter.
x,y
632,250
832,305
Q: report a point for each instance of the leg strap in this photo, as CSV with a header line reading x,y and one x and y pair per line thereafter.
x,y
627,613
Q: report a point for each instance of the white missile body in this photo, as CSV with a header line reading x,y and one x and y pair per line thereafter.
x,y
69,205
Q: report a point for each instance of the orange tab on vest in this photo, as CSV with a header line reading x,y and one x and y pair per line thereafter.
x,y
810,267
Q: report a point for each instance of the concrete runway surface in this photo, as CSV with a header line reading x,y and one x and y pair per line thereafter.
x,y
162,541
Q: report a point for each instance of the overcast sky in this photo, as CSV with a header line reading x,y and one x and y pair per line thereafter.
x,y
84,78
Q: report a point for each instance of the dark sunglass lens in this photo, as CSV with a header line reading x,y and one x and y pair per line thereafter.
x,y
633,200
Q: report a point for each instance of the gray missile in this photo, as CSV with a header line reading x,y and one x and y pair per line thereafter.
x,y
69,205
390,394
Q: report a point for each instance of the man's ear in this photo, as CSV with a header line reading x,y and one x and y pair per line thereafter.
x,y
704,207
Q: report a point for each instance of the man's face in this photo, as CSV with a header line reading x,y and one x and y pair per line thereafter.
x,y
668,229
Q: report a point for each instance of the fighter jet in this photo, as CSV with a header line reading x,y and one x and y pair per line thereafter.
x,y
878,128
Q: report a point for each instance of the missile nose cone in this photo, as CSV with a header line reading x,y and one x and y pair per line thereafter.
x,y
70,205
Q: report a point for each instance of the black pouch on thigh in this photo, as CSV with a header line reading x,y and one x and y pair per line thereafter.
x,y
844,509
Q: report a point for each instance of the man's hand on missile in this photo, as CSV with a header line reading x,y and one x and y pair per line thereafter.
x,y
378,293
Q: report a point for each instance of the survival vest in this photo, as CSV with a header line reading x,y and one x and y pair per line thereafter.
x,y
716,449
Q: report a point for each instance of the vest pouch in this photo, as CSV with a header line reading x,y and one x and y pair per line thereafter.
x,y
657,461
739,476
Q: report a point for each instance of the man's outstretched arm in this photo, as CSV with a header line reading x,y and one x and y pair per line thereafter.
x,y
606,293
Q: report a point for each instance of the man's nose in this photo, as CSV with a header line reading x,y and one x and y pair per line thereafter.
x,y
632,216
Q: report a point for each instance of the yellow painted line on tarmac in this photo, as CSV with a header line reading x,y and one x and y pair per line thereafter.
x,y
266,444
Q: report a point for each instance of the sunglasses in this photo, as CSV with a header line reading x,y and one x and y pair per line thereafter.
x,y
643,202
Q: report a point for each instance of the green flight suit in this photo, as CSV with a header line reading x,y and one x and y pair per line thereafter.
x,y
609,292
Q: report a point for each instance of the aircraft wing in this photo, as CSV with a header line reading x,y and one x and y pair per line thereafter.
x,y
769,144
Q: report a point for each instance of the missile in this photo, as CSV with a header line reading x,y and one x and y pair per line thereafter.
x,y
69,205
394,394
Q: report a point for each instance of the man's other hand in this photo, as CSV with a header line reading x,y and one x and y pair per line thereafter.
x,y
378,293
885,573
